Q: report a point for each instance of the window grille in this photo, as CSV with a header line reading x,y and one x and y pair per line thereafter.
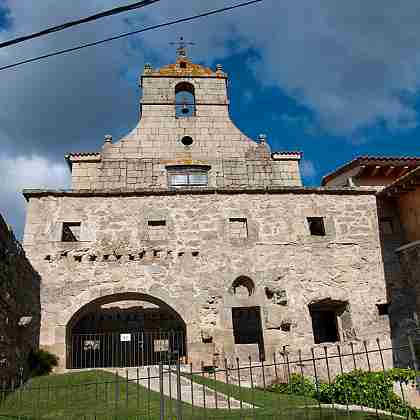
x,y
187,177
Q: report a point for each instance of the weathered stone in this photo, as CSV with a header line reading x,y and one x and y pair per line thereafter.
x,y
19,306
227,258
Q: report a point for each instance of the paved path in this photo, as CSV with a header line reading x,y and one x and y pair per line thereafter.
x,y
191,393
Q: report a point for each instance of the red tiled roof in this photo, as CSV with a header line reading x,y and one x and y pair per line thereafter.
x,y
369,159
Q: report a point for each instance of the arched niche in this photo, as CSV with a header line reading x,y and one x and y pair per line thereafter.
x,y
243,287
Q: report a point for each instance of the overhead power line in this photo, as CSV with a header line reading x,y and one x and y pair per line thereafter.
x,y
70,24
126,34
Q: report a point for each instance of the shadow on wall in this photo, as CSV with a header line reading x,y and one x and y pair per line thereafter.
x,y
401,301
20,308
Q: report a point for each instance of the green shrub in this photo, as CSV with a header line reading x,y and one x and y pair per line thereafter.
x,y
369,389
298,385
402,375
41,362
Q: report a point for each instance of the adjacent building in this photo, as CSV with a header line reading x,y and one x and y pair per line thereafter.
x,y
398,200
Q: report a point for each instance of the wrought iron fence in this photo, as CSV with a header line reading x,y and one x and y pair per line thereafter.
x,y
345,381
130,349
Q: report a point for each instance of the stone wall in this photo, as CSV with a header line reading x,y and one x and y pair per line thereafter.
x,y
194,268
151,174
19,305
140,158
399,295
409,256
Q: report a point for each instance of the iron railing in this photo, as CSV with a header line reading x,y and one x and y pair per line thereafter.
x,y
125,349
230,389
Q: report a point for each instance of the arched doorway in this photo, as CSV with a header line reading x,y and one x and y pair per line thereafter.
x,y
125,330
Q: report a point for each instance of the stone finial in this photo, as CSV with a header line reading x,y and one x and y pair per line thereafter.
x,y
148,68
108,139
219,67
262,138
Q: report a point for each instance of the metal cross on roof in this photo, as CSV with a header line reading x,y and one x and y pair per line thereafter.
x,y
182,47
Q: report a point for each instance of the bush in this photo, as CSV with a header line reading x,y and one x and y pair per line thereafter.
x,y
41,362
369,389
298,385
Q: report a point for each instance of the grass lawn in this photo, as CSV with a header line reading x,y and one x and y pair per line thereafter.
x,y
92,395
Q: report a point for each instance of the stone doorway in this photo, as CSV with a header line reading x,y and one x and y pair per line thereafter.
x,y
247,327
125,331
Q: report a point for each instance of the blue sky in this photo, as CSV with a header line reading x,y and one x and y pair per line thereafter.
x,y
332,82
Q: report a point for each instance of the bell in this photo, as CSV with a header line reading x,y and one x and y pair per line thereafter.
x,y
185,109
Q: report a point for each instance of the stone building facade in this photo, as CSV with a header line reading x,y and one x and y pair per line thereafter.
x,y
189,215
19,306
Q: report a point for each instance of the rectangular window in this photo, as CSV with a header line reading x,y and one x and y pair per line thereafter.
x,y
385,226
71,232
157,230
188,176
331,321
188,179
325,328
238,228
316,226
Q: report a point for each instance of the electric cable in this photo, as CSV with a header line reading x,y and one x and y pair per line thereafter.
x,y
126,34
70,24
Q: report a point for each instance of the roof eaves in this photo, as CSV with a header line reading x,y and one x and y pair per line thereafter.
x,y
400,181
82,157
365,159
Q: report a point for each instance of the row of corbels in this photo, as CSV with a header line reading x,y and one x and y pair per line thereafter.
x,y
150,254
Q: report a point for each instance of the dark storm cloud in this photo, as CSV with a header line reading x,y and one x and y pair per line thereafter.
x,y
353,64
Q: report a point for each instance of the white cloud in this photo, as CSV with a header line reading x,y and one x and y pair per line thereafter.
x,y
352,64
22,172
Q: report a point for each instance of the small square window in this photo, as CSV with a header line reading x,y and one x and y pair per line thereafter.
x,y
157,230
238,228
183,65
386,227
383,308
71,232
316,226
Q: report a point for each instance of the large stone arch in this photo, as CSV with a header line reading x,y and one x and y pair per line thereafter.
x,y
117,297
85,301
88,296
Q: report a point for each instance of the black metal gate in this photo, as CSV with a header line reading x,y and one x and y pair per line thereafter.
x,y
126,349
